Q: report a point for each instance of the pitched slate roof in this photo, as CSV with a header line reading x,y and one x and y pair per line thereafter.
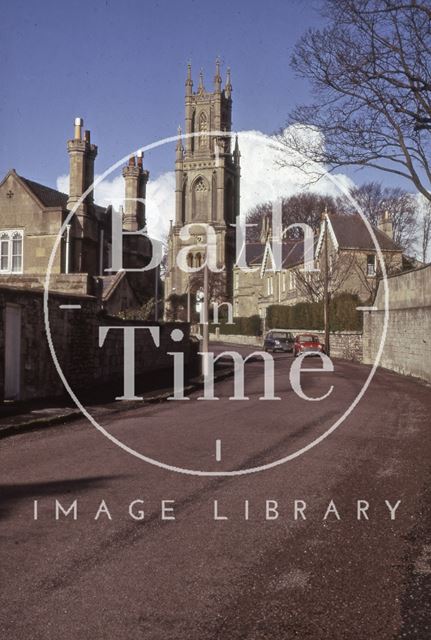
x,y
53,198
254,252
351,233
292,253
48,197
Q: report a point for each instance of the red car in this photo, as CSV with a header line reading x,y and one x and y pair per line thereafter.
x,y
306,342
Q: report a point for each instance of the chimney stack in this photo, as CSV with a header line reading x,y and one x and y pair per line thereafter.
x,y
79,122
135,178
385,224
81,174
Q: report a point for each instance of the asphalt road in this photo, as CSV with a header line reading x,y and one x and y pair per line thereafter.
x,y
244,576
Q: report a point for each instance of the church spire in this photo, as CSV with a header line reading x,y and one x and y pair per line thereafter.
x,y
179,148
201,82
228,85
236,151
217,77
189,81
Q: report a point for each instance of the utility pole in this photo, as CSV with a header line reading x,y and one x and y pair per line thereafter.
x,y
205,326
188,300
326,318
156,292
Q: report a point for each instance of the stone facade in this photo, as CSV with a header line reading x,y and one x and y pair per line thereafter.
x,y
207,184
33,215
407,348
352,264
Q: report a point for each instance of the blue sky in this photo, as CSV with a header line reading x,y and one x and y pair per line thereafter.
x,y
121,66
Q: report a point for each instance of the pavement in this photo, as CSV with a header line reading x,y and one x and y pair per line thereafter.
x,y
234,564
19,417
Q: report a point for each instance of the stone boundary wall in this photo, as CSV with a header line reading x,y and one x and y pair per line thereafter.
x,y
252,341
346,344
76,283
75,336
407,347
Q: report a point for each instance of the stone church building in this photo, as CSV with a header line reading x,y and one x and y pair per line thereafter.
x,y
207,187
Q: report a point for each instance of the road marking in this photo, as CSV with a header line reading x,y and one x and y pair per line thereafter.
x,y
367,309
70,306
218,450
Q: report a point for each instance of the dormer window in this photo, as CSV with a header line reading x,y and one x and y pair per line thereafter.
x,y
11,251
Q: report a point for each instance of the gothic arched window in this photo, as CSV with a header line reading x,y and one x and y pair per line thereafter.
x,y
11,251
192,139
190,260
214,196
198,259
4,252
203,129
200,199
17,251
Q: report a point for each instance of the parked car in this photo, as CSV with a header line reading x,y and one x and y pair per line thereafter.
x,y
278,340
306,342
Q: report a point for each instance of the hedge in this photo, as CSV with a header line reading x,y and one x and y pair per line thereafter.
x,y
343,315
242,326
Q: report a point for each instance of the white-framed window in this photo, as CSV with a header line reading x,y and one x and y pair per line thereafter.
x,y
269,286
292,280
283,282
236,285
11,241
371,265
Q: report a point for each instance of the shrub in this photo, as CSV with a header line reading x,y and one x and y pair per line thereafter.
x,y
242,326
343,315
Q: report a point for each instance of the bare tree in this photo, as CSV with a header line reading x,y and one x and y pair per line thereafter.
x,y
425,230
375,199
311,285
369,283
216,284
305,207
371,75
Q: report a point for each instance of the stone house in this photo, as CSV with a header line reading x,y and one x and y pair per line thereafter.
x,y
38,222
353,265
32,216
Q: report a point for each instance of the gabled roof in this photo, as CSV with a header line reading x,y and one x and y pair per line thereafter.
x,y
351,232
254,252
292,253
47,196
347,231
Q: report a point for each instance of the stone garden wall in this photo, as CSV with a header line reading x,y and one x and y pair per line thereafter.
x,y
407,347
347,344
75,336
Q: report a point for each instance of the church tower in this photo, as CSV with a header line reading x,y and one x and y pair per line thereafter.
x,y
207,173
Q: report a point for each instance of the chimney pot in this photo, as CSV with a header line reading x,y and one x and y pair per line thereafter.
x,y
132,161
79,123
87,135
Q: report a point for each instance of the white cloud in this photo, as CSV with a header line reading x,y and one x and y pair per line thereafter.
x,y
262,180
160,205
